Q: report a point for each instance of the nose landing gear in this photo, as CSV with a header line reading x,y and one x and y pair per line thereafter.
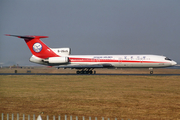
x,y
151,70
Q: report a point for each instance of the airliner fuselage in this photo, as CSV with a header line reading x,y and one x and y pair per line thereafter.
x,y
116,61
124,60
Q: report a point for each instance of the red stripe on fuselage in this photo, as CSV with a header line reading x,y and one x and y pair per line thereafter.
x,y
109,60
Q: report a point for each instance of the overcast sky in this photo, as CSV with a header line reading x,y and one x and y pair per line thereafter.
x,y
91,27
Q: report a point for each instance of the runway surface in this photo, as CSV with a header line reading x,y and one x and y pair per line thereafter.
x,y
87,74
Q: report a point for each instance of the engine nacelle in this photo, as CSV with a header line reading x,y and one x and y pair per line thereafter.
x,y
62,51
56,60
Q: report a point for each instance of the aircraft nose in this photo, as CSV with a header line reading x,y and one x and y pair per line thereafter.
x,y
173,63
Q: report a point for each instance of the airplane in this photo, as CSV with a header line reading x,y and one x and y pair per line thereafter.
x,y
85,64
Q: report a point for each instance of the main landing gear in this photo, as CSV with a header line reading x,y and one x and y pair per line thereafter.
x,y
151,70
86,71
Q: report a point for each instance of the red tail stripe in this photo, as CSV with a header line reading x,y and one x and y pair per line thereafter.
x,y
44,53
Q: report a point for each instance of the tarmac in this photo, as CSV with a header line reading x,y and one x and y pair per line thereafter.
x,y
88,74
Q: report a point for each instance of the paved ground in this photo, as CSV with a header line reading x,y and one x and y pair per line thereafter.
x,y
87,74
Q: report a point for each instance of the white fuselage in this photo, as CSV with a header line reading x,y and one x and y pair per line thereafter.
x,y
134,61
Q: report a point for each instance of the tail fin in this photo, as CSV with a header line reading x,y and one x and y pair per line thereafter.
x,y
37,47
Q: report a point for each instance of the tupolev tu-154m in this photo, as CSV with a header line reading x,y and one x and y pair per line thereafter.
x,y
85,64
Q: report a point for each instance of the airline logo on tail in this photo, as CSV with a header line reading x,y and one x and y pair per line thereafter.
x,y
37,47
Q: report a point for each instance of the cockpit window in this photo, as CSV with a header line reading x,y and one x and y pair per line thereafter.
x,y
168,59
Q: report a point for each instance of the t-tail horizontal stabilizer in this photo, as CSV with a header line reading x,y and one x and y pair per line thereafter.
x,y
27,37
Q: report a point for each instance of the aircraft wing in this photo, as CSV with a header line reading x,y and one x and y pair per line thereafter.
x,y
85,66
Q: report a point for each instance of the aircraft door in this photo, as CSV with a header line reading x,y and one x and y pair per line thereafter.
x,y
120,62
